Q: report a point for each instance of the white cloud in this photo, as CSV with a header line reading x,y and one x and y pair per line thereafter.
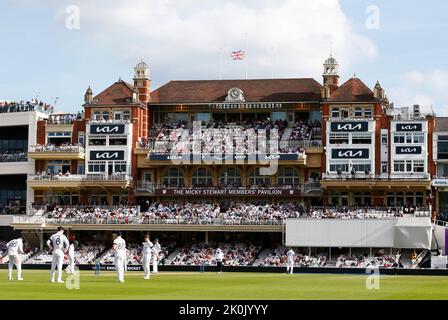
x,y
427,88
181,39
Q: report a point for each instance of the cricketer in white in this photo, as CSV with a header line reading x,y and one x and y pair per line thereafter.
x,y
58,243
119,248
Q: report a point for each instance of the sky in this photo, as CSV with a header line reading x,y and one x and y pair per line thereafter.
x,y
57,48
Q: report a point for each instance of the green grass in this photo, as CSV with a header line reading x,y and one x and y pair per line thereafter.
x,y
226,286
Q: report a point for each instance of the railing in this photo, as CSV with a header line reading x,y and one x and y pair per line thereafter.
x,y
65,120
14,157
372,177
133,220
60,149
304,143
377,210
145,186
312,186
77,177
110,121
440,223
168,145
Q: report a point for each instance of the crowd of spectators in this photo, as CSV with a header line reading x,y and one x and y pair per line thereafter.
x,y
363,261
235,254
230,138
349,213
19,156
277,258
65,147
224,212
94,215
23,106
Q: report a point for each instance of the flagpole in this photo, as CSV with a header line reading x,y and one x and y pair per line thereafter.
x,y
220,63
247,58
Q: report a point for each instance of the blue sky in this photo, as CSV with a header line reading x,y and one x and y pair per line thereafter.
x,y
182,40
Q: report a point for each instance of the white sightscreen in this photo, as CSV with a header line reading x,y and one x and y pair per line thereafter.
x,y
340,233
413,233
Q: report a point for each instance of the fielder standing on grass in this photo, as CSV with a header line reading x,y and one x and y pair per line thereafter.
x,y
58,243
15,248
119,249
146,257
219,256
156,251
290,257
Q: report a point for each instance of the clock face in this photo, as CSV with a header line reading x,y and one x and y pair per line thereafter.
x,y
234,94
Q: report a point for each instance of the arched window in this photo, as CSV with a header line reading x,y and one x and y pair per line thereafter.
x,y
335,113
202,177
106,115
126,116
96,115
173,177
256,179
288,176
230,176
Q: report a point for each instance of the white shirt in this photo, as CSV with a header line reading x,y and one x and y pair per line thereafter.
x,y
290,255
58,242
71,251
120,247
219,256
147,248
157,248
15,247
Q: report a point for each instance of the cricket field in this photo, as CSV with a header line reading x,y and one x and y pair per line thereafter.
x,y
226,286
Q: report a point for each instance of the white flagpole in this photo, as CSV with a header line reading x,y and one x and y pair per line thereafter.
x,y
220,63
247,58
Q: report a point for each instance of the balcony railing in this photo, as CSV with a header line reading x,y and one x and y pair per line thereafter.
x,y
78,177
371,177
14,157
60,149
141,220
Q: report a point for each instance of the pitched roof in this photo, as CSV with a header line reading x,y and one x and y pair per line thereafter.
x,y
118,93
264,90
353,90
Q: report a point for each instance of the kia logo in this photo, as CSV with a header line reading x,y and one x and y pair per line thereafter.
x,y
409,127
106,155
107,129
174,157
350,154
349,126
408,150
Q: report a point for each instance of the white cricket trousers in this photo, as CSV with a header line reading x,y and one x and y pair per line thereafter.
x,y
290,267
146,263
155,263
119,266
14,260
56,263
